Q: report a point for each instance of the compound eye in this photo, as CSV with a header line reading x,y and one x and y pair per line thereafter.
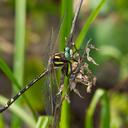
x,y
67,49
67,56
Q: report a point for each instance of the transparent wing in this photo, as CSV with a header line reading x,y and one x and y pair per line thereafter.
x,y
50,91
47,94
50,87
54,85
47,89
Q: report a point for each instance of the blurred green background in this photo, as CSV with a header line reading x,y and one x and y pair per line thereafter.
x,y
109,34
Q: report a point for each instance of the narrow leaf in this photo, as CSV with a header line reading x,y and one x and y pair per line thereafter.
x,y
44,122
100,95
88,23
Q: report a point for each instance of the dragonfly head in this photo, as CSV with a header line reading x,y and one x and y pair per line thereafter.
x,y
68,53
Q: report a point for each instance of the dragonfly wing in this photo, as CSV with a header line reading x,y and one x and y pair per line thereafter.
x,y
47,94
50,91
47,90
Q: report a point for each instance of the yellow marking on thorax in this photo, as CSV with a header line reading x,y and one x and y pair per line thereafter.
x,y
58,62
57,57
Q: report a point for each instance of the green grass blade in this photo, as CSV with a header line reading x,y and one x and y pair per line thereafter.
x,y
87,24
89,116
4,67
65,110
27,118
20,8
19,40
105,112
66,13
65,115
2,123
44,122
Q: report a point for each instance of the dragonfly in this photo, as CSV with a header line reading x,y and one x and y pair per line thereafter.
x,y
78,76
58,60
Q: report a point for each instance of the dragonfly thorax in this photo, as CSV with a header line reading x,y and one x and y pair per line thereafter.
x,y
58,59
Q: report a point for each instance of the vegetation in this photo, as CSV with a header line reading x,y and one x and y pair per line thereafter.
x,y
106,105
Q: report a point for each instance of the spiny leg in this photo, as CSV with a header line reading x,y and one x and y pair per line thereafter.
x,y
22,91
